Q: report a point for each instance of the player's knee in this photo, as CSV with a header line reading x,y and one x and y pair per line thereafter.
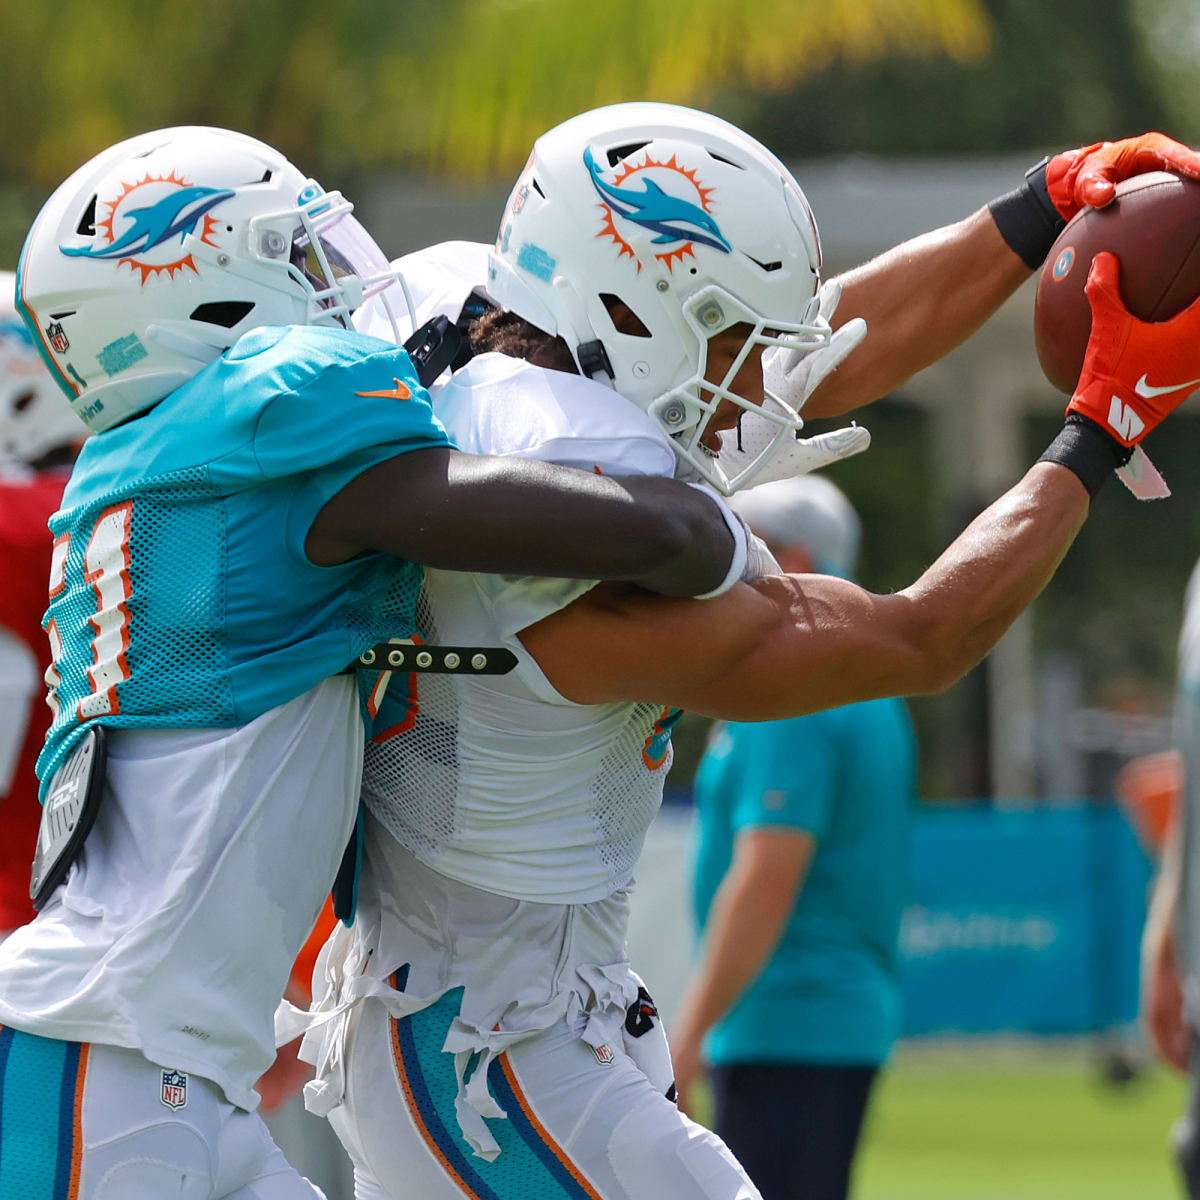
x,y
152,1179
148,1164
657,1153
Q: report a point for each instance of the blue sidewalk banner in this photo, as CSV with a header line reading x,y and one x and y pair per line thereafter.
x,y
1023,921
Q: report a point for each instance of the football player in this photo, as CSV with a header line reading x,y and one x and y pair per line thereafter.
x,y
479,1030
247,520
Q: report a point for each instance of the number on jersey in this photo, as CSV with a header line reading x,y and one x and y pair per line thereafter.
x,y
106,569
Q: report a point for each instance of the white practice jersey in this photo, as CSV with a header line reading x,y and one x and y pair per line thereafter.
x,y
500,782
439,280
176,929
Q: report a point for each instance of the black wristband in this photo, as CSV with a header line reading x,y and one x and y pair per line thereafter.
x,y
1027,219
1083,447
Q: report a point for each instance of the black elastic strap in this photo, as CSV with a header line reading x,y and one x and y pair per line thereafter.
x,y
1027,218
416,658
1083,447
593,359
433,348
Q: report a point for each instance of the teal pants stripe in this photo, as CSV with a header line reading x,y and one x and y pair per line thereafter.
x,y
526,1169
39,1082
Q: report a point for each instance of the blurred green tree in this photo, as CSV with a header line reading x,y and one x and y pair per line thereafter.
x,y
460,86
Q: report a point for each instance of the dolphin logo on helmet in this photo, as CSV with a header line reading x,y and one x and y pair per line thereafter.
x,y
157,223
671,217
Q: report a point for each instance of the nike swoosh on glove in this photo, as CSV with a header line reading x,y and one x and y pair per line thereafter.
x,y
1135,373
793,375
1089,175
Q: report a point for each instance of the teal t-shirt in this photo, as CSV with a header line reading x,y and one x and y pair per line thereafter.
x,y
181,594
830,993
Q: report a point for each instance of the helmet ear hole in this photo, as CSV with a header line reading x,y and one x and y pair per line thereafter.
x,y
624,319
617,153
225,313
87,223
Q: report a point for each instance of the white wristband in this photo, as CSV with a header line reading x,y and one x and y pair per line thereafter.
x,y
738,564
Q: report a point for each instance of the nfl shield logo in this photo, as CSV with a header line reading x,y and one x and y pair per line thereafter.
x,y
58,339
604,1055
174,1089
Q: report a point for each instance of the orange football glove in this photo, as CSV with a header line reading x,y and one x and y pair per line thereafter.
x,y
1134,372
1089,176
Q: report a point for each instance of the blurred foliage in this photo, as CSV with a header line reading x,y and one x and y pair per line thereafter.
x,y
461,86
1059,74
1171,29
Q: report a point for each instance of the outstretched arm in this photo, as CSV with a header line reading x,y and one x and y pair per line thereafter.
x,y
791,644
515,516
925,296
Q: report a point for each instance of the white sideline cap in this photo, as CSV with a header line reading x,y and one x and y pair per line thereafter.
x,y
808,512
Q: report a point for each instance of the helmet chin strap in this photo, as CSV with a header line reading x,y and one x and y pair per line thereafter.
x,y
593,360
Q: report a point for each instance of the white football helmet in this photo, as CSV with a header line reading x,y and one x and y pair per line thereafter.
x,y
159,253
33,417
692,226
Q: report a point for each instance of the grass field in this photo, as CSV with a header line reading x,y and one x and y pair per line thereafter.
x,y
1023,1122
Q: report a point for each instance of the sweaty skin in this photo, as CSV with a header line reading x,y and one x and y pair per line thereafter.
x,y
792,644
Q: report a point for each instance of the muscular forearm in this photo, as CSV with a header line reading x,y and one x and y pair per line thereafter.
x,y
858,646
517,516
994,569
793,644
920,300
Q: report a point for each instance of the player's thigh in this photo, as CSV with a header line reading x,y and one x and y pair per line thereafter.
x,y
599,1112
275,1179
579,1124
103,1123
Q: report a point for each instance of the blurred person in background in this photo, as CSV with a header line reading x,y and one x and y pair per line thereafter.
x,y
799,881
39,437
1171,942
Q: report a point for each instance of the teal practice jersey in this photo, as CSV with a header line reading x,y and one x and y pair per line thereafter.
x,y
180,592
830,993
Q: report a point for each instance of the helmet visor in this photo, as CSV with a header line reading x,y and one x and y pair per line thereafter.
x,y
342,263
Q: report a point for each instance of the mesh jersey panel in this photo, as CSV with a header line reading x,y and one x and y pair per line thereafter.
x,y
410,771
490,784
186,663
182,596
628,788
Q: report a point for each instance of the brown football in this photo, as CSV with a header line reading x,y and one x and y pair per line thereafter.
x,y
1153,227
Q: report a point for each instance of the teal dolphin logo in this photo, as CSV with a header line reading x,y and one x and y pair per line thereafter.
x,y
672,218
656,746
175,214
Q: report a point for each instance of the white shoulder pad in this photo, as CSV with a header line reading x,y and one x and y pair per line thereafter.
x,y
502,405
439,280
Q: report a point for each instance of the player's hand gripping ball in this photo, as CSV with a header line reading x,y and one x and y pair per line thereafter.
x,y
1089,175
1153,228
1134,372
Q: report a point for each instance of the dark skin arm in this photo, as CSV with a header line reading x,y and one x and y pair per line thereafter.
x,y
514,516
792,644
920,300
